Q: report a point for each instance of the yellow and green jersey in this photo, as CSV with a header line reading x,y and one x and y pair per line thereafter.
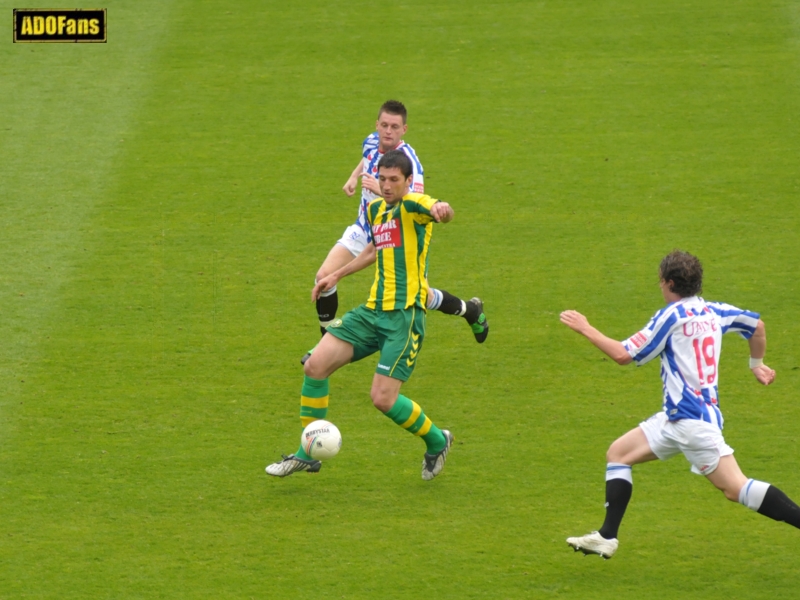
x,y
401,234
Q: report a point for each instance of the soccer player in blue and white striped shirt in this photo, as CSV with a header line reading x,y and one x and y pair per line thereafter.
x,y
687,336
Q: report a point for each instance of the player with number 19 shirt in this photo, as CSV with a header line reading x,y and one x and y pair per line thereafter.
x,y
688,336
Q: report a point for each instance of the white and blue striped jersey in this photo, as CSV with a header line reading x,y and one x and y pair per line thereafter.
x,y
687,335
371,154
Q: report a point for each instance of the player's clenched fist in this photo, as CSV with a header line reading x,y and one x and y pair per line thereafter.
x,y
442,212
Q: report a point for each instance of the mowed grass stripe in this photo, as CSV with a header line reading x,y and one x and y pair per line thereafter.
x,y
72,110
67,111
126,384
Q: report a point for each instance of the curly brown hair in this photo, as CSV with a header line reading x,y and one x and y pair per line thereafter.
x,y
684,271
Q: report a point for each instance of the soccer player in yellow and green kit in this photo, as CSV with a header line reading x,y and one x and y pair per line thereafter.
x,y
391,322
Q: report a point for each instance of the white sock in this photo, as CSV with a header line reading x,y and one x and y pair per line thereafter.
x,y
619,471
329,292
752,494
434,299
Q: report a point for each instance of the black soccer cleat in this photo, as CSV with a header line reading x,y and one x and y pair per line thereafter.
x,y
480,327
306,356
432,464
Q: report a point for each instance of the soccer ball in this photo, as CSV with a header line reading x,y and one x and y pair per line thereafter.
x,y
321,440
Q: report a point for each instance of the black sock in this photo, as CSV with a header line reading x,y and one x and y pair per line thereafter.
x,y
452,305
777,505
326,309
618,494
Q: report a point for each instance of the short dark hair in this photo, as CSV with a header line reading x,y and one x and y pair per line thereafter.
x,y
394,107
684,271
396,159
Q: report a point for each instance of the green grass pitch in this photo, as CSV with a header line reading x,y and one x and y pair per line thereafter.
x,y
166,198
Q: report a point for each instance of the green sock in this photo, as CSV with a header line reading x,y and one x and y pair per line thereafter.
x,y
313,406
409,416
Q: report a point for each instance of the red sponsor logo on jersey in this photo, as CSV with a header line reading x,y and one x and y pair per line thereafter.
x,y
419,187
387,235
638,339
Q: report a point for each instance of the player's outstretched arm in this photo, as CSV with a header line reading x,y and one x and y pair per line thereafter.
x,y
442,212
362,261
350,185
614,349
758,348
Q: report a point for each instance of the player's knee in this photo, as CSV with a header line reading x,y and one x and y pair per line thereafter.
x,y
382,400
730,491
731,495
729,488
615,453
310,369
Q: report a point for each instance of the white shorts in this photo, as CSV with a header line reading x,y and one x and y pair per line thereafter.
x,y
354,239
701,443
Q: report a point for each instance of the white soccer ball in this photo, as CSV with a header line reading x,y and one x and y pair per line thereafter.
x,y
321,440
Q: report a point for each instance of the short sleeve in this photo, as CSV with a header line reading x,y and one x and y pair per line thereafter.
x,y
369,145
419,205
649,342
737,320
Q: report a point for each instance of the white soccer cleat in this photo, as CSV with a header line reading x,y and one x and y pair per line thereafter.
x,y
290,464
432,464
594,543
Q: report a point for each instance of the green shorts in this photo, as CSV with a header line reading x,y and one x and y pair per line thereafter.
x,y
397,334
